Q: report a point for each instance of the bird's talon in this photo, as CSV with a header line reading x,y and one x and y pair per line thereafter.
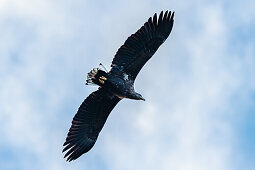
x,y
103,78
101,81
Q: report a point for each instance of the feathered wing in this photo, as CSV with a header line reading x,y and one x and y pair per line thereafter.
x,y
88,122
141,46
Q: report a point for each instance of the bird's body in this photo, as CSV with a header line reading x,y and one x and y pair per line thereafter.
x,y
119,84
116,84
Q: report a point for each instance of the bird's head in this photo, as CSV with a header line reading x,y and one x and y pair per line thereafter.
x,y
139,97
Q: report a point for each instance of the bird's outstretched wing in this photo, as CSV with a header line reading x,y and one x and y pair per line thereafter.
x,y
140,47
88,122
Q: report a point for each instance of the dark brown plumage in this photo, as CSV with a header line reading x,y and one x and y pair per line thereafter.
x,y
116,84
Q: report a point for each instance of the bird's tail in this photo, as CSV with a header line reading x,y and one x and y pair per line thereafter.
x,y
96,76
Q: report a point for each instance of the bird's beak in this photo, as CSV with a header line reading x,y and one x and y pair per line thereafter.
x,y
143,99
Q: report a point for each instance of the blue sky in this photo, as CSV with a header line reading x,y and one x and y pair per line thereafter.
x,y
199,86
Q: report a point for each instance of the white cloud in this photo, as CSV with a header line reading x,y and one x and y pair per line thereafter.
x,y
186,123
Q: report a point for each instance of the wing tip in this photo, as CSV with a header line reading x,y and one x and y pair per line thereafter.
x,y
172,16
75,151
162,14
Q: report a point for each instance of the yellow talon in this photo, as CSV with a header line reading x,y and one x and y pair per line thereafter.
x,y
103,78
101,81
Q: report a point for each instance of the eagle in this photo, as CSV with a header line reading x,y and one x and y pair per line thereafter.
x,y
116,84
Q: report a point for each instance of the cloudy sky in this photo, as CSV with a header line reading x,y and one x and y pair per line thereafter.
x,y
199,112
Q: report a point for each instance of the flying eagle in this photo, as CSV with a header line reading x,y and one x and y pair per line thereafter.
x,y
116,84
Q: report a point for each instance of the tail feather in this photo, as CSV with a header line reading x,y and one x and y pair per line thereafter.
x,y
96,76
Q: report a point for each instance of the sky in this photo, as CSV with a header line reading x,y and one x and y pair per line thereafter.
x,y
199,87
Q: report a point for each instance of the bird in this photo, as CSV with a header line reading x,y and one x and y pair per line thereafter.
x,y
116,84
